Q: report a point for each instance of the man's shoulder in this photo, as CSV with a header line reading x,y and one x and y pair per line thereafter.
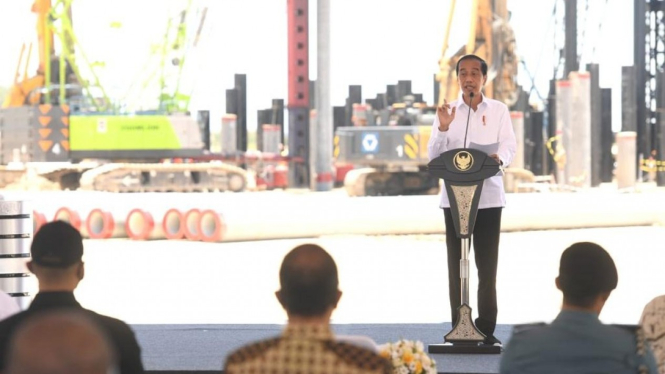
x,y
530,331
358,356
621,332
11,322
349,354
532,334
251,351
113,324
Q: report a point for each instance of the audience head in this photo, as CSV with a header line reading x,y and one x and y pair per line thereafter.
x,y
59,343
586,273
57,251
309,283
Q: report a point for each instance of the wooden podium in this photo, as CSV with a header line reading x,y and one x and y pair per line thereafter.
x,y
463,171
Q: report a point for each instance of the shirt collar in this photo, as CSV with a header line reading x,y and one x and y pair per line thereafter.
x,y
308,331
576,316
51,299
461,100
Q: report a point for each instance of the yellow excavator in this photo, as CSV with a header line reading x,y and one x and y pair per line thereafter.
x,y
392,160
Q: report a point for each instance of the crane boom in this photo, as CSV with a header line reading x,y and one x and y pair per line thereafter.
x,y
491,38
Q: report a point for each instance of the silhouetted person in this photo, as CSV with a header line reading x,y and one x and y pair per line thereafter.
x,y
576,341
60,343
309,293
57,250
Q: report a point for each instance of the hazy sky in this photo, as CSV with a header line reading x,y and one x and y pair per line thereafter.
x,y
373,43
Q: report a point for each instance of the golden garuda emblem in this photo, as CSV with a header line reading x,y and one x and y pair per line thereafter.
x,y
463,160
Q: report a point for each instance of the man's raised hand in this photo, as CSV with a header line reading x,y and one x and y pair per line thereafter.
x,y
445,117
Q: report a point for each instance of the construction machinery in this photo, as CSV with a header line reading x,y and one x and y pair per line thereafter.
x,y
61,125
390,150
392,147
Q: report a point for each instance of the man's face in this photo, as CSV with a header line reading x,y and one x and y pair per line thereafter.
x,y
470,77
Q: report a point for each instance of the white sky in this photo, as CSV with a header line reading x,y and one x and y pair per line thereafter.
x,y
373,43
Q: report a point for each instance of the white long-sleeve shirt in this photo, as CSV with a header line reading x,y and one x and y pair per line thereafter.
x,y
489,124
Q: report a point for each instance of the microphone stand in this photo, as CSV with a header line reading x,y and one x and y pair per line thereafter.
x,y
468,116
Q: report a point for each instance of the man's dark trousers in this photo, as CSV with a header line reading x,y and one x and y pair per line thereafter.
x,y
486,250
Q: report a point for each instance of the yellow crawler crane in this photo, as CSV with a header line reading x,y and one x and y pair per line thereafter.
x,y
56,124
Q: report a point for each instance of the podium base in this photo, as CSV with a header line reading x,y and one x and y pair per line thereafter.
x,y
464,348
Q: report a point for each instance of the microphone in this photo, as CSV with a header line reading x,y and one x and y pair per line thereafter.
x,y
467,118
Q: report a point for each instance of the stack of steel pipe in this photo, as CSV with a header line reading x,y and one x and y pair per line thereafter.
x,y
75,207
107,222
319,216
145,223
72,217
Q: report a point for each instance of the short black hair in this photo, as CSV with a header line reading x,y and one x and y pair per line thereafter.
x,y
308,280
586,270
483,64
57,244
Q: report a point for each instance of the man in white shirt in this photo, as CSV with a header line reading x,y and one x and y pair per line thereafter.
x,y
488,123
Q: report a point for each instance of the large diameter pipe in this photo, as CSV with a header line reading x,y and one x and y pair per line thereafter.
x,y
144,224
211,226
173,224
72,217
517,119
578,153
140,225
316,216
38,220
191,224
102,224
323,123
626,171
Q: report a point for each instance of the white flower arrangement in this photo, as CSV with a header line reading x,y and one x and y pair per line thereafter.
x,y
408,357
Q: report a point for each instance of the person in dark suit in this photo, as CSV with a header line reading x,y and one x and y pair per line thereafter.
x,y
60,342
577,341
57,251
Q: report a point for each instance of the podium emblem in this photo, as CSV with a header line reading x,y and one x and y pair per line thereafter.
x,y
463,160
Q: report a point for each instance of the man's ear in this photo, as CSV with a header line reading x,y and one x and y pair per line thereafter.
x,y
278,294
484,80
80,270
30,266
339,296
558,285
